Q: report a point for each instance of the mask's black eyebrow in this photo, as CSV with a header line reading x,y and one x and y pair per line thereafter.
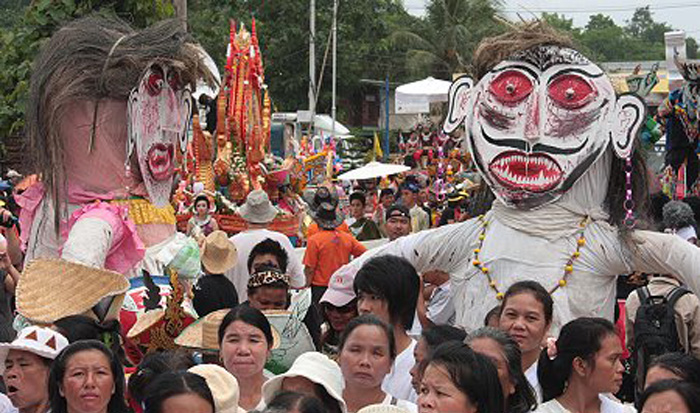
x,y
517,66
573,70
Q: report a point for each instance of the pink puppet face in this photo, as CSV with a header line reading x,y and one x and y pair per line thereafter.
x,y
538,120
159,112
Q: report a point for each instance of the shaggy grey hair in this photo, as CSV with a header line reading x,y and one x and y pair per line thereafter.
x,y
677,215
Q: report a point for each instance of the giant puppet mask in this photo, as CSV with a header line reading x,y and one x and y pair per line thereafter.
x,y
537,121
159,111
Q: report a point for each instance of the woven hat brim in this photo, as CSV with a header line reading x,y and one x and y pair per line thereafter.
x,y
50,289
193,335
145,321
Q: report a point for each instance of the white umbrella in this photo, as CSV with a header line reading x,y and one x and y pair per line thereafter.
x,y
203,88
325,123
416,97
373,170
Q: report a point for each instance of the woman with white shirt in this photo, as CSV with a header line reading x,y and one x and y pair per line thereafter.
x,y
580,367
526,315
366,353
387,287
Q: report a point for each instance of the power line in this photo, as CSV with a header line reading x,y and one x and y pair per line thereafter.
x,y
601,9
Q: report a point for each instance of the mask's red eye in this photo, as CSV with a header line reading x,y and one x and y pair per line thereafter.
x,y
155,83
511,87
174,81
571,91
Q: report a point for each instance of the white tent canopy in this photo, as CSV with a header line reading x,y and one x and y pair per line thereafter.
x,y
373,170
416,97
325,123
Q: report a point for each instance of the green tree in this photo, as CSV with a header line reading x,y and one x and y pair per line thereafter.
x,y
445,43
20,43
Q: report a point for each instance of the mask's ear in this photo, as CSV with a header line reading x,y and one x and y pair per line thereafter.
x,y
629,116
458,103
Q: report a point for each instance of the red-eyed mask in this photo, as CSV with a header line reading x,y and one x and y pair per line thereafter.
x,y
159,113
538,121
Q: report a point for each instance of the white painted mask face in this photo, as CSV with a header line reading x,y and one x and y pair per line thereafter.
x,y
159,112
537,122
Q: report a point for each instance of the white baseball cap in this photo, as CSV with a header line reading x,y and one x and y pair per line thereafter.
x,y
42,341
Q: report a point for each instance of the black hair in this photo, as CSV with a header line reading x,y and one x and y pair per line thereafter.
x,y
536,290
248,315
80,327
394,279
58,371
359,196
682,365
473,374
386,191
397,207
287,401
656,207
152,366
202,198
269,246
689,392
494,312
175,383
438,334
581,338
368,320
523,399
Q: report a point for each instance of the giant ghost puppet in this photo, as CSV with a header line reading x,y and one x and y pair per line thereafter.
x,y
545,130
107,120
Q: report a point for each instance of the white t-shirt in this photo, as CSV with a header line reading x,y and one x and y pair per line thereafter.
x,y
531,376
6,405
244,242
398,382
606,406
441,309
411,407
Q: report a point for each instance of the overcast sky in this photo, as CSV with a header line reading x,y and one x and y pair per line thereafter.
x,y
680,14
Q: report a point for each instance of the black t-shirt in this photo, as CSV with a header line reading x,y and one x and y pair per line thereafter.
x,y
213,292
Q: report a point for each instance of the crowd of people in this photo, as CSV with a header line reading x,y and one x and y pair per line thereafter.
x,y
526,308
383,336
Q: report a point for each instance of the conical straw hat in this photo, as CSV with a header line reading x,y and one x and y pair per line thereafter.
x,y
203,334
50,289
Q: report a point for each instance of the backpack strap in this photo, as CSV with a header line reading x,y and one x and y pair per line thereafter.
x,y
644,294
675,295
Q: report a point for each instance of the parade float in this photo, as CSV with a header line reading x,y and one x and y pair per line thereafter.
x,y
238,158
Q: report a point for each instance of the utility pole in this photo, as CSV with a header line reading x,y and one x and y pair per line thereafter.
x,y
180,7
312,63
335,62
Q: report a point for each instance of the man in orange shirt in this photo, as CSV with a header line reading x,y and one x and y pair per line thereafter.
x,y
328,249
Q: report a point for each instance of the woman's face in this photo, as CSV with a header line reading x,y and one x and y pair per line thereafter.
x,y
605,376
186,403
665,402
658,373
339,317
202,208
244,349
26,378
365,358
420,352
88,383
439,394
523,319
494,351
